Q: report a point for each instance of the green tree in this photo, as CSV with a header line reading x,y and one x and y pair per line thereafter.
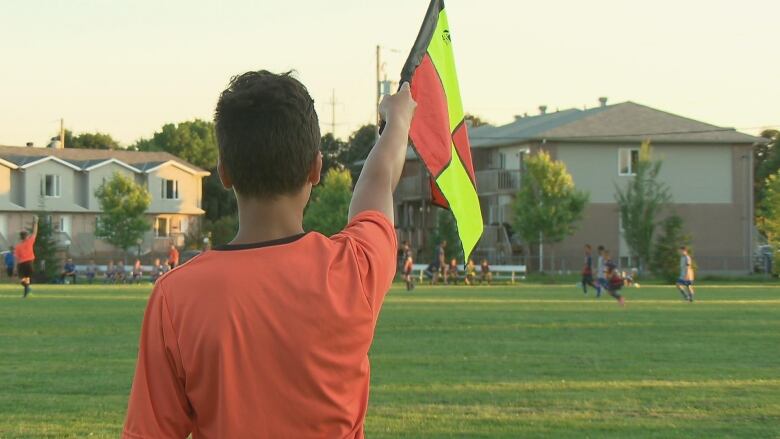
x,y
123,204
47,266
357,148
446,230
766,162
328,208
476,121
217,201
548,205
90,141
193,141
222,230
640,204
768,217
666,260
332,150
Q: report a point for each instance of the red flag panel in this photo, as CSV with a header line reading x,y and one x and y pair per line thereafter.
x,y
430,130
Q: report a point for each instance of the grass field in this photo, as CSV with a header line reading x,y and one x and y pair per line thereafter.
x,y
526,361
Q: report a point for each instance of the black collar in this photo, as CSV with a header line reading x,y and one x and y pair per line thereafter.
x,y
252,245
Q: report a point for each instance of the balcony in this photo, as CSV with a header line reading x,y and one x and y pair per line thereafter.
x,y
413,188
498,181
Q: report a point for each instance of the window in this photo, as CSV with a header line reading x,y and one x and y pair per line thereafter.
x,y
627,160
169,189
50,185
162,227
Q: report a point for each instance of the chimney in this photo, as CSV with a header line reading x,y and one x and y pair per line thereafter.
x,y
603,101
54,143
543,109
30,144
518,116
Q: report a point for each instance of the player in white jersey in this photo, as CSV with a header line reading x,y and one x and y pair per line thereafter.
x,y
685,282
601,270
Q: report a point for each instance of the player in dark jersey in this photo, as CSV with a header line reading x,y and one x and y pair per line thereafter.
x,y
614,282
408,276
587,271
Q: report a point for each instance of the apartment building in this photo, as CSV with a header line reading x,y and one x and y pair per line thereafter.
x,y
709,170
62,183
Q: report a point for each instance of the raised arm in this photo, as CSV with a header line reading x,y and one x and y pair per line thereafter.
x,y
35,225
382,170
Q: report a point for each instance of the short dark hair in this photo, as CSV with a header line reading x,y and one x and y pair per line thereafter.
x,y
23,234
683,247
268,133
601,248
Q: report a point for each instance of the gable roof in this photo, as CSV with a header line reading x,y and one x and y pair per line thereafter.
x,y
82,159
624,122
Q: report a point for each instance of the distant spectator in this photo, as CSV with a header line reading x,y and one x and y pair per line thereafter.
x,y
137,272
471,273
486,275
408,275
158,270
68,270
452,272
173,257
120,273
9,262
110,272
91,271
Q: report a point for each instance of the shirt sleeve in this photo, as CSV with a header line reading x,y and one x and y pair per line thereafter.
x,y
158,406
372,238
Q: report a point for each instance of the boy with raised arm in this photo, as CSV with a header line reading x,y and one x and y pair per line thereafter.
x,y
25,256
231,350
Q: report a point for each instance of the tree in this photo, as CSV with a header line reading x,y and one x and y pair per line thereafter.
x,y
666,262
222,230
90,141
332,151
193,141
123,204
446,230
476,121
766,161
217,201
768,217
548,205
358,146
640,203
45,248
328,209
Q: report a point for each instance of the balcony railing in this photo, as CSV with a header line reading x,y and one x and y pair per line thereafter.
x,y
498,181
413,188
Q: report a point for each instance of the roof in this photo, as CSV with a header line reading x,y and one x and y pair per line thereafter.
x,y
88,158
624,122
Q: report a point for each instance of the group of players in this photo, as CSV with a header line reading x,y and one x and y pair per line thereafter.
x,y
441,271
609,279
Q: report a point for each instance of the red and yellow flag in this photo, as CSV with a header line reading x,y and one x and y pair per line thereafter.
x,y
439,134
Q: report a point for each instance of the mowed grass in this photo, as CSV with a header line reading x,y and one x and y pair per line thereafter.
x,y
521,361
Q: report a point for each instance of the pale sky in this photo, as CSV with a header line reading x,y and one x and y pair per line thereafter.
x,y
128,67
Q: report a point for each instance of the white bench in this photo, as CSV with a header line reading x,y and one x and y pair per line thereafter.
x,y
506,272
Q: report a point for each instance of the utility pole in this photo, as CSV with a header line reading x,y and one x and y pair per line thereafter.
x,y
333,102
62,132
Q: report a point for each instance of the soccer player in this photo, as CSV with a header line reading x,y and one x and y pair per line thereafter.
x,y
68,270
137,271
25,256
173,257
9,262
232,349
685,282
601,270
408,275
587,270
158,269
486,275
614,282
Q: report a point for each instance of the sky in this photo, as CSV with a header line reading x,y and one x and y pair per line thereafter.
x,y
128,67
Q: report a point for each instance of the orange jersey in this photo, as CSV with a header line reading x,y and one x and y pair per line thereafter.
x,y
23,251
229,349
173,256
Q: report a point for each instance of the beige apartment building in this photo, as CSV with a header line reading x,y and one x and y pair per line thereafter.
x,y
62,183
709,170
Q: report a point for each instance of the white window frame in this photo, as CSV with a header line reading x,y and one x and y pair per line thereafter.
x,y
167,227
56,186
631,171
164,189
